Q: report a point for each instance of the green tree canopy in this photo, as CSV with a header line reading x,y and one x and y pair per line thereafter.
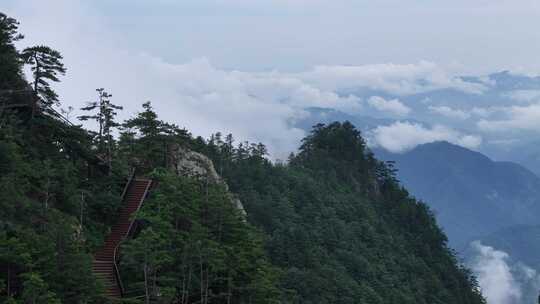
x,y
46,65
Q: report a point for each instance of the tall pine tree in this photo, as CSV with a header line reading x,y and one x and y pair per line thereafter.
x,y
46,65
105,113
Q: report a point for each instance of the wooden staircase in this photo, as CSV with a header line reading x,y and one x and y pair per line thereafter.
x,y
104,266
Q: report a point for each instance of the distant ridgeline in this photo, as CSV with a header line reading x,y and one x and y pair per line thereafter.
x,y
472,195
330,226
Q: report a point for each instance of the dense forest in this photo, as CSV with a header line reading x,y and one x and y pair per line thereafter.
x,y
330,225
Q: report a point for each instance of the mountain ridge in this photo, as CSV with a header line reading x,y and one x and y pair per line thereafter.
x,y
465,187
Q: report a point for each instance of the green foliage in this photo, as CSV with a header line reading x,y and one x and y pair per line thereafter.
x,y
47,234
46,66
35,290
10,71
331,226
105,117
47,230
147,141
194,247
340,226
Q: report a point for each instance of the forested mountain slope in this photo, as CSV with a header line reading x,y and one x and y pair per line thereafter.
x,y
60,188
341,227
330,226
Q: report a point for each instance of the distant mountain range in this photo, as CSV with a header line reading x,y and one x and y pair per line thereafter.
x,y
477,199
472,196
501,90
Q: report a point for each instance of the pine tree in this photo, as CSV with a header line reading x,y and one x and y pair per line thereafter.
x,y
36,290
46,66
15,256
146,122
10,65
104,115
150,139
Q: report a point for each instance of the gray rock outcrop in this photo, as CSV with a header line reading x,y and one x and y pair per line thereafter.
x,y
190,163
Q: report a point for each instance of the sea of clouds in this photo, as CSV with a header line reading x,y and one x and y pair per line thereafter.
x,y
258,106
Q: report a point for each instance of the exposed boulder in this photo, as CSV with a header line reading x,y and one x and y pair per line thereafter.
x,y
190,163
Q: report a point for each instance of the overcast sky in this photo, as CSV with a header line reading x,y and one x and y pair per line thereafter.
x,y
297,34
250,66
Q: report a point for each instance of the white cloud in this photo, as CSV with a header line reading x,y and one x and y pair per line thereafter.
x,y
204,98
195,94
524,95
487,81
504,141
403,136
483,112
502,279
288,89
449,112
494,275
399,79
392,106
517,118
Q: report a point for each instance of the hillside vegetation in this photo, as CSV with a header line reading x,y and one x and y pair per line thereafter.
x,y
332,225
340,227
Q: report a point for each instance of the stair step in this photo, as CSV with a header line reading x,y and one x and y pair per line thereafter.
x,y
103,265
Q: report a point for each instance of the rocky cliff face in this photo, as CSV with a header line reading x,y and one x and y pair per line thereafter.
x,y
190,163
